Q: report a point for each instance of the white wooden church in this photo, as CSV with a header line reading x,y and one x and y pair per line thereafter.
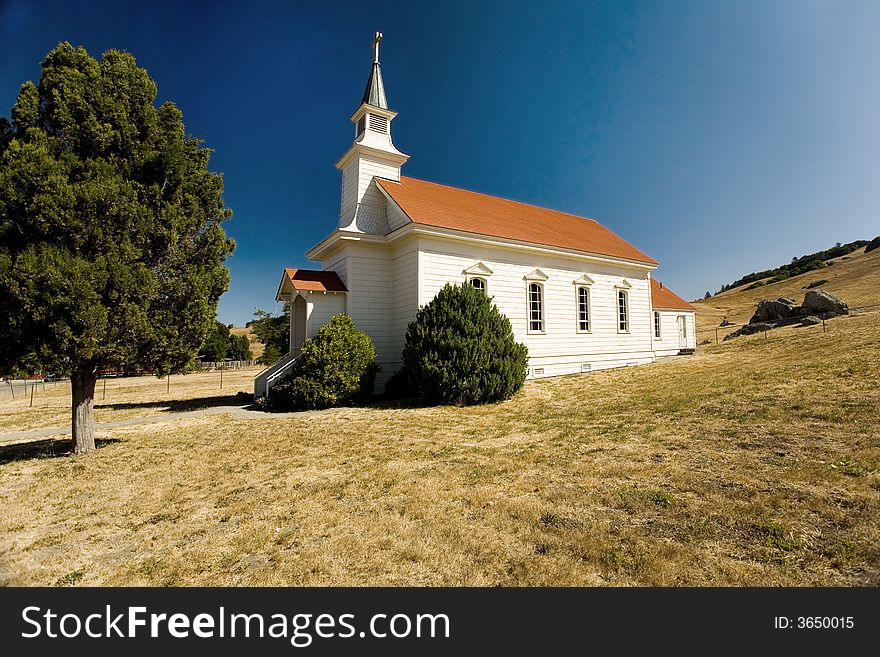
x,y
578,296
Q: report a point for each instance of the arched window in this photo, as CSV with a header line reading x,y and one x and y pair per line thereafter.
x,y
536,308
622,311
583,309
479,284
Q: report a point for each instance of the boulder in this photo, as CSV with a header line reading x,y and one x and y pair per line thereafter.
x,y
725,322
771,310
749,329
819,302
810,320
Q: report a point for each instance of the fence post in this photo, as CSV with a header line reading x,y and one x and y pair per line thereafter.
x,y
11,388
765,334
221,377
716,336
104,394
33,386
168,383
823,325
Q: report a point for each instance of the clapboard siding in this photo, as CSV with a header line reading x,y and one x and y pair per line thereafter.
x,y
405,266
668,343
371,299
321,307
561,348
350,190
340,266
396,217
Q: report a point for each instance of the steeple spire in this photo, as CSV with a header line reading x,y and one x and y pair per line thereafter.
x,y
374,94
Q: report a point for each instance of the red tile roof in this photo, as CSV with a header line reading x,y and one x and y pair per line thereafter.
x,y
318,281
662,298
436,205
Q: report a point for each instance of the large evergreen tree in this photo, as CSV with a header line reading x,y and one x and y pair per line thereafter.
x,y
111,245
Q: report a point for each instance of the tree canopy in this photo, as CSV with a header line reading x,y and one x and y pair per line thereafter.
x,y
273,331
111,244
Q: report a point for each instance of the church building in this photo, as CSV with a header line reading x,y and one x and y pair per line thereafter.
x,y
578,296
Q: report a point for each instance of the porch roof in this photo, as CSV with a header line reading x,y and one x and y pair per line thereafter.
x,y
312,280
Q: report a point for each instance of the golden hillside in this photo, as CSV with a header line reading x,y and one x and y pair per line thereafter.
x,y
854,277
257,347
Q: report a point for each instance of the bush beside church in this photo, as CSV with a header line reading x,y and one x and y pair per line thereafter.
x,y
460,349
335,368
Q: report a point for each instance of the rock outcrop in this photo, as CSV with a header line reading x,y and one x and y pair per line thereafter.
x,y
774,310
750,328
820,302
771,313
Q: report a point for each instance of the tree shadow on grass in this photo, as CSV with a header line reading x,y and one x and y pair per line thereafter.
x,y
44,449
183,405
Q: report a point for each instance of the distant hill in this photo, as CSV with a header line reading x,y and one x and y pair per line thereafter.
x,y
855,277
256,346
800,265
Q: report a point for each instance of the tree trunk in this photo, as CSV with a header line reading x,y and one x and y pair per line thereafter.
x,y
82,383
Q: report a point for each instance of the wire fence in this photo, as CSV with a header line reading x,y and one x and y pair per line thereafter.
x,y
227,364
109,383
716,335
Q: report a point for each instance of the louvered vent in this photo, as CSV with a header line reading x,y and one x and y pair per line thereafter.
x,y
361,126
378,123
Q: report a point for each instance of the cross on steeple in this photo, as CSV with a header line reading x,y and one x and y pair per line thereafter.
x,y
376,41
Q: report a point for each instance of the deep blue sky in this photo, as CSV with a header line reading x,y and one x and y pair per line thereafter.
x,y
719,137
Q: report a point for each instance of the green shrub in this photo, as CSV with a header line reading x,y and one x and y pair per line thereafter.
x,y
460,350
873,244
336,367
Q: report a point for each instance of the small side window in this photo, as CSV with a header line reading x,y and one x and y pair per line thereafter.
x,y
583,308
656,324
478,284
536,308
622,311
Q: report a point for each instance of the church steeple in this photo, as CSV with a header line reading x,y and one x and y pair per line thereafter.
x,y
373,154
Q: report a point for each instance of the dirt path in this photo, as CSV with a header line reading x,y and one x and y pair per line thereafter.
x,y
237,411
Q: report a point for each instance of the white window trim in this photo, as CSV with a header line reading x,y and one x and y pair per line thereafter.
x,y
617,292
577,306
658,325
529,329
485,280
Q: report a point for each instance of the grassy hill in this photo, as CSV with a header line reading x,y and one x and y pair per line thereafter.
x,y
257,347
855,277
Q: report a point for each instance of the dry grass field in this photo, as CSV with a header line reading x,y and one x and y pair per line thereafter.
x,y
123,398
751,463
855,277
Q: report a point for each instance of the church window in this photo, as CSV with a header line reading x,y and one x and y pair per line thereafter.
x,y
622,311
536,308
583,308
